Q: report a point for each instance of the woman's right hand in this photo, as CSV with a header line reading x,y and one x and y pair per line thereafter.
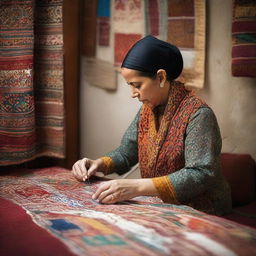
x,y
84,168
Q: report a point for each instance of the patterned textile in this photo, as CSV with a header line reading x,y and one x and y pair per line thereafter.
x,y
103,21
155,145
186,30
49,90
152,11
123,42
244,38
17,111
127,26
156,18
28,130
144,226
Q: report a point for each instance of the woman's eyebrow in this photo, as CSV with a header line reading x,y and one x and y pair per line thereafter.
x,y
133,83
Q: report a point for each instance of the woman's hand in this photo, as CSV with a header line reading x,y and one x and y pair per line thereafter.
x,y
85,168
113,191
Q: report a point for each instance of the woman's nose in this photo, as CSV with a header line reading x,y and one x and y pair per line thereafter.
x,y
134,93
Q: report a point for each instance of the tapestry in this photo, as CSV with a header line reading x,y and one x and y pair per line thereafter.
x,y
186,30
48,79
97,46
156,18
244,38
142,226
17,110
31,85
123,42
103,26
128,26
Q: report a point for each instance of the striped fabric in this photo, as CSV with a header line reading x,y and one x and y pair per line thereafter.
x,y
28,130
186,30
49,91
244,38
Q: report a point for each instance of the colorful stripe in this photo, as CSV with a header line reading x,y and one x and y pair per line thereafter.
x,y
141,226
31,80
17,112
186,30
244,38
152,17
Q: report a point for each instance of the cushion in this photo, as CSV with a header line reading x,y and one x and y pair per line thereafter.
x,y
240,173
245,215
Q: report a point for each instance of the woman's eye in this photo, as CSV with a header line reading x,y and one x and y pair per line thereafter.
x,y
137,86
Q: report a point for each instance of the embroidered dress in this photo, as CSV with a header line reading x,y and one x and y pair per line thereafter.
x,y
181,155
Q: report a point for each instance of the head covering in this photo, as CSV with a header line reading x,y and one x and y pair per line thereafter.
x,y
151,54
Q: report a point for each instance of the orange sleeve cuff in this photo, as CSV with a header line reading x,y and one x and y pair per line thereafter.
x,y
165,189
108,164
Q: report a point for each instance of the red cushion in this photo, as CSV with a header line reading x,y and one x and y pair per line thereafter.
x,y
245,215
240,173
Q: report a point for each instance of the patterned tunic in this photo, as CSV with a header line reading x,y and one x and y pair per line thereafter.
x,y
182,157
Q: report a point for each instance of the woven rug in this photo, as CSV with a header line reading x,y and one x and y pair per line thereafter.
x,y
186,30
143,226
48,85
244,38
31,80
17,111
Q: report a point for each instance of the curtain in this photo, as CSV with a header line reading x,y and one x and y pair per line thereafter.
x,y
31,80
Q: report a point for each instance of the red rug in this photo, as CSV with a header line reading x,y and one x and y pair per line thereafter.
x,y
144,226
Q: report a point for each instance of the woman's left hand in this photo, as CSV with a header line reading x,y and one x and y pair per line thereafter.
x,y
113,191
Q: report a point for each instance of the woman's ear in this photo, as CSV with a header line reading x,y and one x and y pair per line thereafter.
x,y
161,74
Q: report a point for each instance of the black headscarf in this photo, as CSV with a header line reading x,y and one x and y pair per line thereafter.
x,y
151,54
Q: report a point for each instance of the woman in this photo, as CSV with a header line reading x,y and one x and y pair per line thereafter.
x,y
174,137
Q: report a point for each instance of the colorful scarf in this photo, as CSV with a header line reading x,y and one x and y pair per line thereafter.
x,y
162,152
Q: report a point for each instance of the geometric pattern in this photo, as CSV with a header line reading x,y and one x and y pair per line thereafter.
x,y
142,226
31,80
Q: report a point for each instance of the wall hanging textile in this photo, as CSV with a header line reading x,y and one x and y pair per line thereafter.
x,y
156,18
244,38
142,226
103,21
186,30
31,80
181,23
128,26
96,37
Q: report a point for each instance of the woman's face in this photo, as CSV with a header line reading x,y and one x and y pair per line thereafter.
x,y
147,90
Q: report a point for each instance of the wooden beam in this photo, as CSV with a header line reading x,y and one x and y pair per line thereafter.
x,y
71,31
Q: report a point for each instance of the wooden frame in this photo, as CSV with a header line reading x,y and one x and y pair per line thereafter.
x,y
71,31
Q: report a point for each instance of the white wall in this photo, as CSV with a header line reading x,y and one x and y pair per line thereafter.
x,y
105,116
232,98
